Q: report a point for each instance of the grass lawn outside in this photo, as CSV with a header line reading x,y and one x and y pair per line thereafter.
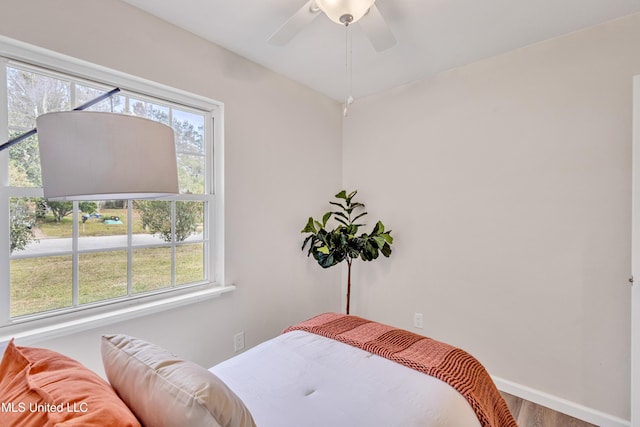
x,y
47,227
44,283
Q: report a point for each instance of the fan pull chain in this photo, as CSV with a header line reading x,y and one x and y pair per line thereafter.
x,y
348,70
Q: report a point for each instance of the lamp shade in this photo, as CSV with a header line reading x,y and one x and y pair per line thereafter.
x,y
345,11
87,155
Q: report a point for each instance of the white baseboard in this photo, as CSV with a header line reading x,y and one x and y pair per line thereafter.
x,y
550,401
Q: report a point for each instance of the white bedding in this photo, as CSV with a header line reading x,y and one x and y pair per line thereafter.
x,y
300,379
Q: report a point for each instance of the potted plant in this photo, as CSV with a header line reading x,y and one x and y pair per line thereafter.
x,y
331,247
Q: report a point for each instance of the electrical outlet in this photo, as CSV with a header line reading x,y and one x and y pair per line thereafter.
x,y
238,341
417,321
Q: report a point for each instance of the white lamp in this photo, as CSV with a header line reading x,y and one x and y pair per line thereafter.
x,y
105,156
345,11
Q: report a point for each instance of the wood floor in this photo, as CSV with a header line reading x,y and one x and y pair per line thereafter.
x,y
529,414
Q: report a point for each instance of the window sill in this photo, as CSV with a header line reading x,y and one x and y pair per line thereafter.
x,y
26,335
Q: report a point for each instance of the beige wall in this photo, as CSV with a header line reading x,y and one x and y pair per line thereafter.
x,y
272,125
507,185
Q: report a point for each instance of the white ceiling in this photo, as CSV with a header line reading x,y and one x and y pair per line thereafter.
x,y
432,35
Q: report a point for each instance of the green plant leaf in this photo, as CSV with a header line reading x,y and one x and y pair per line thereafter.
x,y
378,229
369,251
352,229
309,228
386,250
311,251
341,195
311,236
342,221
379,241
353,253
340,205
325,260
359,216
325,218
331,247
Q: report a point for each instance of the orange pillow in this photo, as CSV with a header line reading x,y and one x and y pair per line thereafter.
x,y
16,397
40,387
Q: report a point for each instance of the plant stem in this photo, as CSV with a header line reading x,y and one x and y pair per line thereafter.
x,y
349,261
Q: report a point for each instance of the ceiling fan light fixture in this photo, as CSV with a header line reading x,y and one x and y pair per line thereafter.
x,y
345,12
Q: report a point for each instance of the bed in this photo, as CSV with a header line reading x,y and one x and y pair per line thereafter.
x,y
331,370
337,370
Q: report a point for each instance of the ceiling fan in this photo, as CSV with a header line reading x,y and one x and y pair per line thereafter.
x,y
343,12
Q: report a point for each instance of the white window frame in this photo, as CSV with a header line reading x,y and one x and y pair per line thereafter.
x,y
48,325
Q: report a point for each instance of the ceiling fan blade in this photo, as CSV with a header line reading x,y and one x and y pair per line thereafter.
x,y
377,30
303,17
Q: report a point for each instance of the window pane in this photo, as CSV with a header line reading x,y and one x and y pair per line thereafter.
x,y
151,222
102,275
151,269
54,226
102,224
31,94
189,129
40,284
189,221
22,226
24,162
189,263
148,110
48,268
39,226
191,174
113,104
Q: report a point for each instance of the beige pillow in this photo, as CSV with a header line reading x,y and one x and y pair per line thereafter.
x,y
164,390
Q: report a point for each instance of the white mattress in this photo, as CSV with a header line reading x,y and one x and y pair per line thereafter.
x,y
300,379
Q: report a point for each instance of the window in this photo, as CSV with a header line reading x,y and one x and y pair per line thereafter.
x,y
66,258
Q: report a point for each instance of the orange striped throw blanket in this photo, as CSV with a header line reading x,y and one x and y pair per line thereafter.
x,y
443,361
